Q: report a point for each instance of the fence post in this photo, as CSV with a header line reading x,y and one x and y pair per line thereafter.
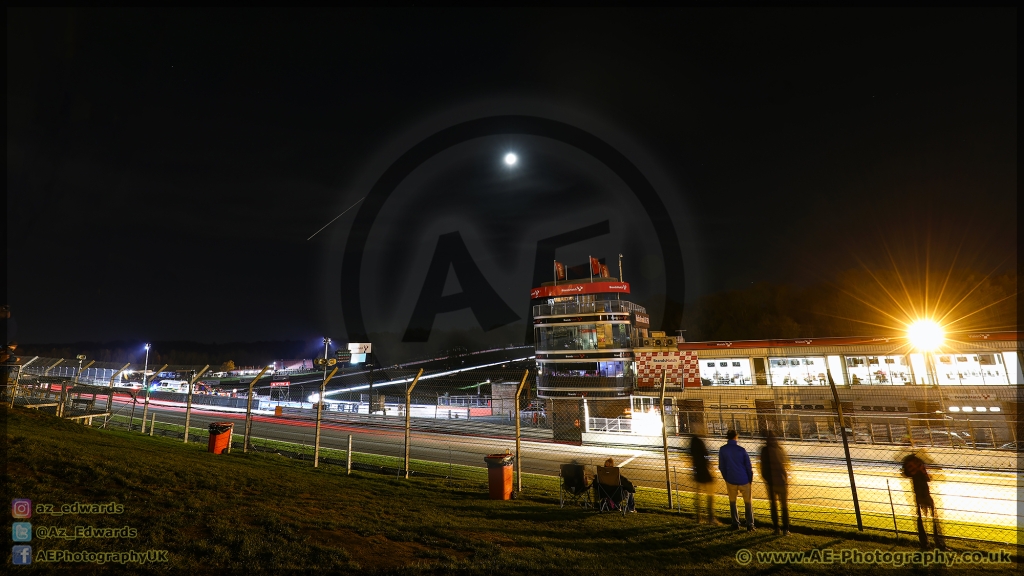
x,y
408,418
893,508
348,457
519,462
664,434
152,424
131,419
675,480
110,394
17,378
145,387
248,410
319,414
188,405
846,449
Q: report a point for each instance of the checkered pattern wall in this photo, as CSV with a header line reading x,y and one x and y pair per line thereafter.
x,y
686,374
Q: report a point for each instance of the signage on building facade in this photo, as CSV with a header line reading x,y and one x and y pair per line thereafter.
x,y
572,289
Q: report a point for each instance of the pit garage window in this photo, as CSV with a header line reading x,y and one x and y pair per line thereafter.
x,y
974,368
798,371
725,372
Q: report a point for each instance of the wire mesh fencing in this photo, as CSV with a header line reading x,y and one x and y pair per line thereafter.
x,y
443,422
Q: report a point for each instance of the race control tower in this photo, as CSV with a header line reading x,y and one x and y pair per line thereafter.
x,y
584,334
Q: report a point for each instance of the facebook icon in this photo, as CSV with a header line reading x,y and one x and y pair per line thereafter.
x,y
21,554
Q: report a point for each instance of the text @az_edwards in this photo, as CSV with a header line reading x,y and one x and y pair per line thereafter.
x,y
78,508
83,532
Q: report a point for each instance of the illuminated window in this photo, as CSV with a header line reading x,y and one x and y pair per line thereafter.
x,y
879,370
954,408
807,371
985,368
727,372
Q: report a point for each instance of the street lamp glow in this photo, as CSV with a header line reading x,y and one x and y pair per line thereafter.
x,y
510,159
925,335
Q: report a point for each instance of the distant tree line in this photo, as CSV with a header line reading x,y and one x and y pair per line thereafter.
x,y
858,303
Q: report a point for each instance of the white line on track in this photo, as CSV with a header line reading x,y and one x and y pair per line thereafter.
x,y
630,459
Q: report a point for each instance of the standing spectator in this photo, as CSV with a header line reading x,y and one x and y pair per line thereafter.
x,y
915,469
775,472
734,464
702,478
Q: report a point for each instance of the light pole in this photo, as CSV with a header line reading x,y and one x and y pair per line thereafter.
x,y
145,408
320,407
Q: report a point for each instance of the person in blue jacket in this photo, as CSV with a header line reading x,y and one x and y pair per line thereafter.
x,y
734,464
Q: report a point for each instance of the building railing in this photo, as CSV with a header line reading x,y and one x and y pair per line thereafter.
x,y
613,425
597,307
465,401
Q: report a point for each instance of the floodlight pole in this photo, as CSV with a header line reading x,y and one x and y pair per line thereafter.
x,y
846,449
248,410
319,414
408,418
519,461
664,434
81,368
145,408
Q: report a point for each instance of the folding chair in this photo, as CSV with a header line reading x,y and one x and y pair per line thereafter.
x,y
572,485
608,490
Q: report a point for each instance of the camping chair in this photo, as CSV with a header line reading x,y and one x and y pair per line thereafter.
x,y
608,490
572,485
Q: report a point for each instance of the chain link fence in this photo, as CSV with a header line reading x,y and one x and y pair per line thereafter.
x,y
443,421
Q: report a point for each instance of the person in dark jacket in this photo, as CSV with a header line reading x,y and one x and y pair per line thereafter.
x,y
702,477
734,464
915,469
775,472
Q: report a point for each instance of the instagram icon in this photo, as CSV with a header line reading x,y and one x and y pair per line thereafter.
x,y
21,508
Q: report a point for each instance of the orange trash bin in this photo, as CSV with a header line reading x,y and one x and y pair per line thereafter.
x,y
499,475
220,437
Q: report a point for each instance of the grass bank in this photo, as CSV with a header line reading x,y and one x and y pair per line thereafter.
x,y
261,512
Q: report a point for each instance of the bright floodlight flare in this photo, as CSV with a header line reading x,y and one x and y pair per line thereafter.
x,y
510,159
925,335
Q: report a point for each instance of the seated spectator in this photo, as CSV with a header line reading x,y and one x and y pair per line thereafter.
x,y
627,487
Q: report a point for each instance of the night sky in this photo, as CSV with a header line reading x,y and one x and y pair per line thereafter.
x,y
165,168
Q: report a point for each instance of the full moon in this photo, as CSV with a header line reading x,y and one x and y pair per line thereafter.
x,y
510,158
